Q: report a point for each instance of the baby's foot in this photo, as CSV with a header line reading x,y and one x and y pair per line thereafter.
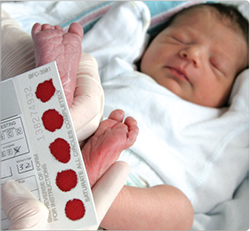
x,y
53,44
105,146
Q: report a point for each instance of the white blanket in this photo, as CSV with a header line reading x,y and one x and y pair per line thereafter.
x,y
202,151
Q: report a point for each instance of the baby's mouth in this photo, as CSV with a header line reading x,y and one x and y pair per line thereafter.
x,y
178,73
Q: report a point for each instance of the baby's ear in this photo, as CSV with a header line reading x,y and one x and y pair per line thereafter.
x,y
240,89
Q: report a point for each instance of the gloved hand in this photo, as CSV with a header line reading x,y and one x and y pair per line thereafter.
x,y
87,107
26,212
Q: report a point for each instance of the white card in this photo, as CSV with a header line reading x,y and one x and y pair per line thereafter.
x,y
39,148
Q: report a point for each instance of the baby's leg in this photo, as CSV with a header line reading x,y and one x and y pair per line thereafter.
x,y
106,145
17,48
53,44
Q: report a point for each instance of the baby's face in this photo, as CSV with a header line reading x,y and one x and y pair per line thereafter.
x,y
197,57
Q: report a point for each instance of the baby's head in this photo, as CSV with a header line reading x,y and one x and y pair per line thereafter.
x,y
199,53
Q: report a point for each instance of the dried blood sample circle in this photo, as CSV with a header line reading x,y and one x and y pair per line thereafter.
x,y
60,149
45,90
75,209
52,120
66,180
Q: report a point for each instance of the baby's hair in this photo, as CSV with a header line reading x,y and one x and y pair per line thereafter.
x,y
230,12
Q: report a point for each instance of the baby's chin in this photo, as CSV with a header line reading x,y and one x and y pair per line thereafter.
x,y
176,88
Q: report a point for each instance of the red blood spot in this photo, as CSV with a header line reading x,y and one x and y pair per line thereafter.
x,y
75,209
45,90
66,180
60,149
52,120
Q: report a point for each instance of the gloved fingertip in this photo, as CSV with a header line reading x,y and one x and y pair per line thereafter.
x,y
11,187
22,208
111,183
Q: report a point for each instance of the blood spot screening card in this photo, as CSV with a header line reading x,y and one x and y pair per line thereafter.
x,y
39,148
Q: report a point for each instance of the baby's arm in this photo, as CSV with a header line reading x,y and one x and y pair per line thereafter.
x,y
161,207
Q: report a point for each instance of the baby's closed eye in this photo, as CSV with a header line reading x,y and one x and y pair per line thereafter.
x,y
216,65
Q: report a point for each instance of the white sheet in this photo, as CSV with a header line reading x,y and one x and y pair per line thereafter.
x,y
219,217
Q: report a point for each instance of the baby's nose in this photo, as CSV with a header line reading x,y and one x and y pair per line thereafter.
x,y
193,53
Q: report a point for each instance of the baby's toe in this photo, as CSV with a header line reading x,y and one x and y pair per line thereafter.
x,y
117,115
76,28
133,131
57,27
131,137
47,27
35,29
130,122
